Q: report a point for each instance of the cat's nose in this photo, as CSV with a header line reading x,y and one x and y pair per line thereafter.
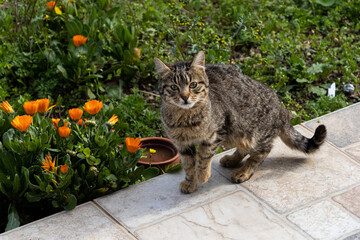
x,y
184,97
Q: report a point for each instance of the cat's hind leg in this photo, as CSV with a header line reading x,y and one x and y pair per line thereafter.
x,y
257,156
232,161
247,170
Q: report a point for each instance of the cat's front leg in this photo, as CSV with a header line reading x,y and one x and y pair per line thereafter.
x,y
188,160
205,154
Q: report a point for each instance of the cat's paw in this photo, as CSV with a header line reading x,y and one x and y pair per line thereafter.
x,y
229,161
203,175
187,187
241,175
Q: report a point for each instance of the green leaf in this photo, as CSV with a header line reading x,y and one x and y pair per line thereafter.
x,y
32,146
317,90
151,172
87,152
63,71
71,202
13,218
302,80
44,138
74,26
8,137
325,3
317,68
175,168
17,185
33,197
55,204
93,160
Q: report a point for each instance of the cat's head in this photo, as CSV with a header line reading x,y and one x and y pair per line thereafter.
x,y
183,84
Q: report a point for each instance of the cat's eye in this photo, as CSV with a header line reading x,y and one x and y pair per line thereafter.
x,y
174,87
193,85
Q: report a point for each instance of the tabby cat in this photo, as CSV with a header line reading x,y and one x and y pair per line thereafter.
x,y
205,106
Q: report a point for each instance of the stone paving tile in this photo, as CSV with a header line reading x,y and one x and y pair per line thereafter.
x,y
236,216
158,197
353,237
350,200
325,221
353,150
342,125
84,222
288,179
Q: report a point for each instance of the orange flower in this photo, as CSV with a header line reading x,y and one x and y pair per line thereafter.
x,y
7,107
55,121
75,113
82,122
64,131
93,107
31,107
79,39
22,123
49,165
64,169
113,119
50,5
43,105
132,144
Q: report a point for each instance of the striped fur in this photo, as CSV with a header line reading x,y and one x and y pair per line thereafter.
x,y
205,106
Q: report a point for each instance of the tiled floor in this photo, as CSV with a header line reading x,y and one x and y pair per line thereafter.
x,y
291,196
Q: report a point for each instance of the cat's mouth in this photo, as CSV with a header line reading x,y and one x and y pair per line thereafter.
x,y
184,104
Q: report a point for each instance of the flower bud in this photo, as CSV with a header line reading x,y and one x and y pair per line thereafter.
x,y
71,153
94,170
113,184
90,123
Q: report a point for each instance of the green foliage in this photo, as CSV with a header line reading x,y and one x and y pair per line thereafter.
x,y
39,56
296,46
325,105
88,163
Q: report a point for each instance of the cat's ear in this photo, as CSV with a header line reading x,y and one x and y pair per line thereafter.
x,y
199,61
161,68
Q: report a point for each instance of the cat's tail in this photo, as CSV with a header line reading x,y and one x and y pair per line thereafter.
x,y
296,140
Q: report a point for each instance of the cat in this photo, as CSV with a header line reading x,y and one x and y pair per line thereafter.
x,y
205,106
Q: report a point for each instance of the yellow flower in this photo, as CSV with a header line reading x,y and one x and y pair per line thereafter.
x,y
57,10
75,113
79,39
64,132
22,123
113,119
46,17
31,107
152,151
49,165
93,107
132,144
43,105
7,107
